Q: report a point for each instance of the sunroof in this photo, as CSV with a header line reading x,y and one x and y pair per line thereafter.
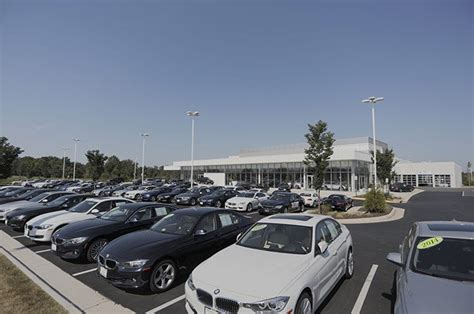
x,y
452,227
292,217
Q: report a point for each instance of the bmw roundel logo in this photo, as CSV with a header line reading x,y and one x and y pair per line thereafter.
x,y
106,256
217,291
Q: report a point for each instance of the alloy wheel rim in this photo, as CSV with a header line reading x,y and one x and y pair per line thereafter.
x,y
164,277
96,248
305,307
350,264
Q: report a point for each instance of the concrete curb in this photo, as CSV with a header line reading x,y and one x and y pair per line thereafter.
x,y
72,294
395,214
405,197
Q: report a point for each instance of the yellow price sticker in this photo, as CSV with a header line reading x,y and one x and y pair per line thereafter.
x,y
429,243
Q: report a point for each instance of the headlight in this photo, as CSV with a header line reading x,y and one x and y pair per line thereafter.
x,y
75,241
276,304
44,226
191,283
136,264
20,217
146,195
278,207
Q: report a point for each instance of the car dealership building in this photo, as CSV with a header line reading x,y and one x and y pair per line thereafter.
x,y
350,167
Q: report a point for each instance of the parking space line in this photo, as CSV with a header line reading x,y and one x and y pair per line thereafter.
x,y
365,289
42,251
163,306
84,272
19,236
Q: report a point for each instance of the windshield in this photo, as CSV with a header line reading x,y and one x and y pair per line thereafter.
x,y
59,201
278,238
218,193
246,195
82,207
179,224
280,197
435,257
194,190
305,194
15,192
30,193
117,214
39,197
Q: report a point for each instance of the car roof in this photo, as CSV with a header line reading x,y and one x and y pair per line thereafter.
x,y
309,220
448,229
142,204
200,211
105,198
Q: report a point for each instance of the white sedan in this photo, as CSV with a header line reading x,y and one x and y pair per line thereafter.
x,y
310,198
42,227
246,201
303,257
137,194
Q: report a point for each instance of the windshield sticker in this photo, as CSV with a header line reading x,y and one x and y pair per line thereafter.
x,y
429,243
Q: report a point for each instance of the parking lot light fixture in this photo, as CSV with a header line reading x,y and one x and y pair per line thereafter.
x,y
373,100
144,136
193,115
76,140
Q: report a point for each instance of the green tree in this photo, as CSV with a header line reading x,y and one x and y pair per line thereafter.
x,y
470,172
95,165
317,155
385,163
8,154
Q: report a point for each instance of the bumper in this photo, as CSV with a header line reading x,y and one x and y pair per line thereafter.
x,y
39,235
16,224
206,203
124,279
236,207
268,211
181,201
164,199
68,252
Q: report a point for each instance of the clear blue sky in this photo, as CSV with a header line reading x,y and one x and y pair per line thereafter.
x,y
258,71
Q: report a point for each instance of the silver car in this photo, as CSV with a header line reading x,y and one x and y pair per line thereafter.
x,y
436,268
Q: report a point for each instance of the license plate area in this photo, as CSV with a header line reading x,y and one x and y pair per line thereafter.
x,y
208,310
103,271
53,247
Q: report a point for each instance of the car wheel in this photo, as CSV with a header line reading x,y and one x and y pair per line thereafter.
x,y
94,249
285,210
218,204
301,209
163,276
304,304
249,207
349,264
193,202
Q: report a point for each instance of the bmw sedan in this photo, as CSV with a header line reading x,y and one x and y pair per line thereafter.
x,y
180,241
281,202
302,258
435,268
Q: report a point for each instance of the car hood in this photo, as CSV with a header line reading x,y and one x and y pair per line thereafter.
x,y
210,197
188,195
139,244
272,202
89,228
427,294
276,271
59,217
15,205
240,199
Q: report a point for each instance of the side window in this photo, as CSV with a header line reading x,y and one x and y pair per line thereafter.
x,y
332,229
322,233
160,211
228,219
208,223
120,202
260,195
142,215
104,206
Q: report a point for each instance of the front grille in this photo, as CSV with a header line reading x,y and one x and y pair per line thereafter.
x,y
227,306
204,297
110,263
101,260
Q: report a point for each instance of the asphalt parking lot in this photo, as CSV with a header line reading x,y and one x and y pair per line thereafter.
x,y
372,242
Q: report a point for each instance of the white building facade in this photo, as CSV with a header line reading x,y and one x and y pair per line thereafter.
x,y
350,167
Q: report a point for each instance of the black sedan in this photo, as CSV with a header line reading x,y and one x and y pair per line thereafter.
x,y
191,197
170,196
401,187
86,238
217,199
338,202
178,242
281,202
153,195
17,218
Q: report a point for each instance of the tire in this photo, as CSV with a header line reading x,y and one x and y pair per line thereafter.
x,y
249,207
94,249
218,204
304,304
193,202
166,269
349,265
285,210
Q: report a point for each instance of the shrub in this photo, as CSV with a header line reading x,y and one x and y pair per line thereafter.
x,y
375,201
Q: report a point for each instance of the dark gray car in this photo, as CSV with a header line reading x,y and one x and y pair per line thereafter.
x,y
436,268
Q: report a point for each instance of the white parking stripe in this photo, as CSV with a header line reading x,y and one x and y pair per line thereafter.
x,y
365,289
19,236
163,306
42,251
84,272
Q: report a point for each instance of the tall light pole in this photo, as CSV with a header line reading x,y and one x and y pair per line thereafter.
x,y
64,160
76,140
135,169
373,100
193,115
144,136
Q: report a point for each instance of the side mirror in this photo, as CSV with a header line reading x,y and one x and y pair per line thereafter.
x,y
395,258
322,246
200,232
95,211
239,236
